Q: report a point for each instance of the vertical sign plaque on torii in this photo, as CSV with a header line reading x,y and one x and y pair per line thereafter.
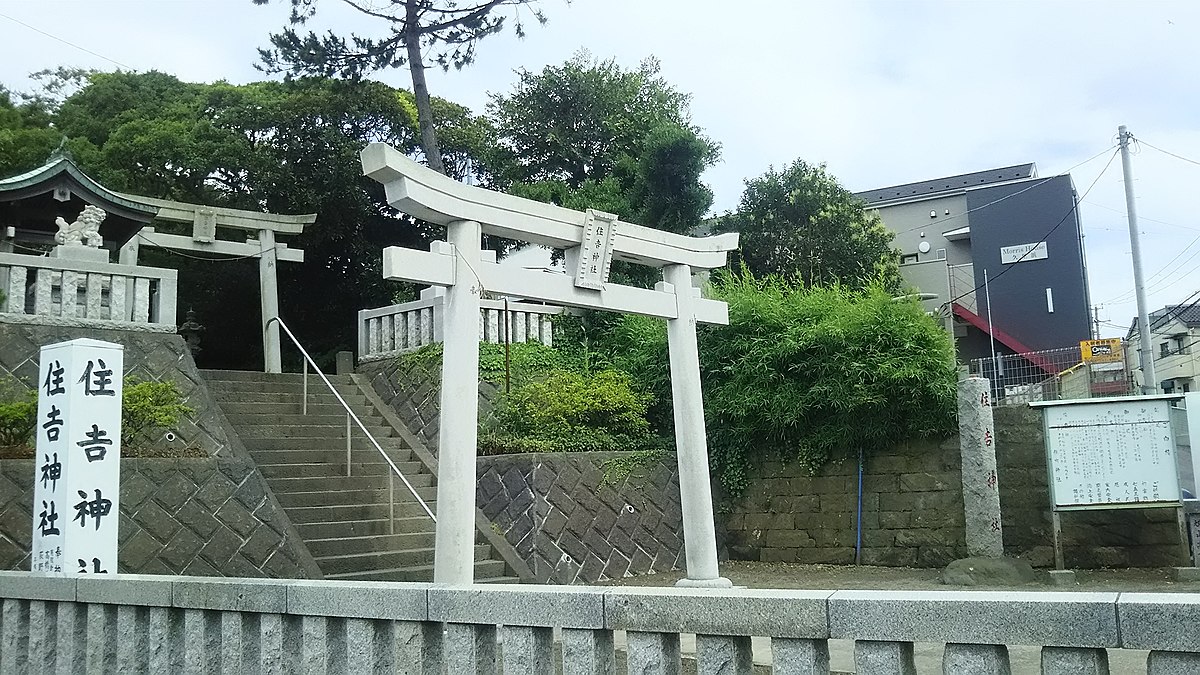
x,y
77,468
590,241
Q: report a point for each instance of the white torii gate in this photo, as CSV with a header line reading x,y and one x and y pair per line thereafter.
x,y
590,239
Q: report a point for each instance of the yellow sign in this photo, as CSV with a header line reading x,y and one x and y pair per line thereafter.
x,y
1107,350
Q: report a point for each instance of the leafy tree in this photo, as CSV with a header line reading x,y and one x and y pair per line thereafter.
x,y
26,137
449,28
801,221
285,147
588,134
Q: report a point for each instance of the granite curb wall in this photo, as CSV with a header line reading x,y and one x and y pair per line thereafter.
x,y
205,625
574,518
190,516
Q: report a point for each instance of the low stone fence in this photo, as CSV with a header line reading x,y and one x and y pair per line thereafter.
x,y
164,625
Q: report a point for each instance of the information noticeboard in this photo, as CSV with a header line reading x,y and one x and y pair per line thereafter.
x,y
1111,453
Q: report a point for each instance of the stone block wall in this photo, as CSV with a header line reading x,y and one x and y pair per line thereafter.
x,y
148,356
415,395
570,526
912,511
191,516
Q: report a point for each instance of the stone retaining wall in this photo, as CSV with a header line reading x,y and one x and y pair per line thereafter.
x,y
148,356
913,510
197,517
570,525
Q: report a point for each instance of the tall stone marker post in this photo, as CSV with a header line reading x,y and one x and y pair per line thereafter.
x,y
590,240
77,469
981,486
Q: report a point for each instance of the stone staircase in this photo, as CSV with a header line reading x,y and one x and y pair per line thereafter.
x,y
343,519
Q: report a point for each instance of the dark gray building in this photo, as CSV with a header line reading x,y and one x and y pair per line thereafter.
x,y
1022,231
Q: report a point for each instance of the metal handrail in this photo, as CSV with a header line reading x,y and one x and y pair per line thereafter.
x,y
351,416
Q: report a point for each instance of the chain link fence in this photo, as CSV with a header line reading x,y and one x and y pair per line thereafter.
x,y
1051,375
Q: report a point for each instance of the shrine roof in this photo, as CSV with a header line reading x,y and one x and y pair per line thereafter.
x,y
46,177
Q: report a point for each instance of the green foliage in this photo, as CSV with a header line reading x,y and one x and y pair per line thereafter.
x,y
527,361
18,419
620,469
588,134
801,221
569,412
806,375
815,374
148,407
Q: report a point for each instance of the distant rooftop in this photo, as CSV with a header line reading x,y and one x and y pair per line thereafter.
x,y
1188,315
928,188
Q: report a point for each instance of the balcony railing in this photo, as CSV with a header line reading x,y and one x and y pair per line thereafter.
x,y
962,286
388,331
56,291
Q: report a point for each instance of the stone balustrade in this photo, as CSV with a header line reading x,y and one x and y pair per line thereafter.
x,y
392,330
58,291
136,623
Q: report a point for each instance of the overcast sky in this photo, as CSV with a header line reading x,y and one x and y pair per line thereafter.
x,y
882,92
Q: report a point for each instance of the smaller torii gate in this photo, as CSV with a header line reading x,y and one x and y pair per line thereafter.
x,y
591,240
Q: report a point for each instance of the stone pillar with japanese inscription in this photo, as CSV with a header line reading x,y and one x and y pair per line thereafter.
x,y
77,469
981,486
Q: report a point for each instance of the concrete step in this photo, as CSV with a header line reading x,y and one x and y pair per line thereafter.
x,y
315,387
277,407
375,543
367,562
498,580
484,569
253,376
226,398
253,432
329,469
372,482
335,461
312,443
354,497
375,527
253,420
341,513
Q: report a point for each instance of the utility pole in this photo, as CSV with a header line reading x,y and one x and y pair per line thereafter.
x,y
1096,321
1145,349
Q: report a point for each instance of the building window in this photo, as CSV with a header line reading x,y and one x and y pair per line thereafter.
x,y
1164,350
1186,387
908,259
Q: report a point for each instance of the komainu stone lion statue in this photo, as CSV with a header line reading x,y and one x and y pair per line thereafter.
x,y
85,231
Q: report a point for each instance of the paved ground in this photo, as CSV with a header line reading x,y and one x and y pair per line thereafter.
x,y
928,656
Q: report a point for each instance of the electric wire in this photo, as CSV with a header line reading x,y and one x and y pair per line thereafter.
x,y
1168,152
65,42
1040,182
1073,209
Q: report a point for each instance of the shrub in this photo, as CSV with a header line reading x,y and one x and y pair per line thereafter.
x,y
527,361
148,407
569,412
805,375
18,419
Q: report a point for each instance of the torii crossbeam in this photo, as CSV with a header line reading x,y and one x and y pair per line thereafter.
x,y
590,240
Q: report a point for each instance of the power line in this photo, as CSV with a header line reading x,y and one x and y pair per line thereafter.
x,y
1161,271
1168,152
65,42
1074,207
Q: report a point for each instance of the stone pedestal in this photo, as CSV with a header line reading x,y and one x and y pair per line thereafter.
x,y
83,253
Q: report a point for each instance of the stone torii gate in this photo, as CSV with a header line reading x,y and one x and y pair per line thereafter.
x,y
590,240
205,220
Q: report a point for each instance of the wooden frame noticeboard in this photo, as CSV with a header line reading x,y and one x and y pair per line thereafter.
x,y
1113,453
